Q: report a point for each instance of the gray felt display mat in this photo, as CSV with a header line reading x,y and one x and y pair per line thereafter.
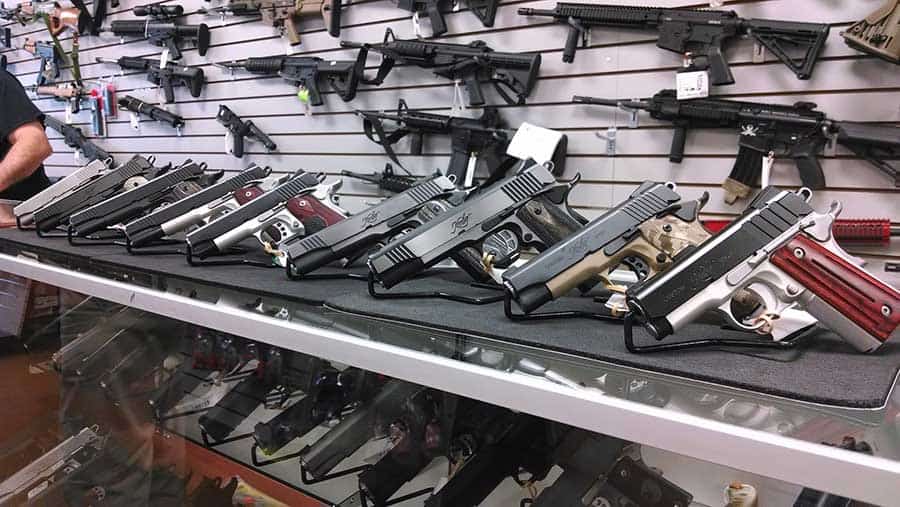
x,y
822,369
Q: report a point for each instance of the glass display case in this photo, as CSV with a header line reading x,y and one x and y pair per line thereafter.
x,y
129,386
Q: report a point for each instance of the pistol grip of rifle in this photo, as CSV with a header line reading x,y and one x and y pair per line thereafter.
x,y
719,71
315,96
810,170
476,96
332,18
290,30
438,24
168,89
196,85
174,51
571,44
237,145
679,138
459,165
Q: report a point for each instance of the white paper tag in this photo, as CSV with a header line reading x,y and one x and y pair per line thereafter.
x,y
459,99
416,25
692,85
229,144
164,58
134,120
288,48
68,114
534,142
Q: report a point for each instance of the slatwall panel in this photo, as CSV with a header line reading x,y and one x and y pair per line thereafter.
x,y
618,64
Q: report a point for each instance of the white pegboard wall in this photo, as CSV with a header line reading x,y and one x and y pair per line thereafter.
x,y
619,64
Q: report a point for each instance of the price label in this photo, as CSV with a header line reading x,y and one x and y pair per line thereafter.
x,y
692,85
535,143
164,58
135,121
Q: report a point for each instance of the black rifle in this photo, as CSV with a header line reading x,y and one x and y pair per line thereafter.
x,y
482,138
307,72
74,138
240,129
129,174
504,445
206,241
164,34
327,396
799,131
593,465
159,11
168,188
470,63
700,32
530,206
386,180
151,227
157,113
167,78
356,429
484,10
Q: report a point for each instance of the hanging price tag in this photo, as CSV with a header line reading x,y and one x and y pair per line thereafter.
x,y
164,58
229,143
534,142
692,85
416,25
68,113
303,95
135,121
459,100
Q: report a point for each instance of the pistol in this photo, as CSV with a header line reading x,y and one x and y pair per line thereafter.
x,y
133,173
193,209
783,251
24,212
286,211
530,205
367,229
645,232
356,429
168,188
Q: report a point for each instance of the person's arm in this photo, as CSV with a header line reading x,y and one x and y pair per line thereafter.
x,y
29,147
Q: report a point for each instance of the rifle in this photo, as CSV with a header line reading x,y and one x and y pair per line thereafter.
x,y
306,72
799,131
484,10
475,142
71,93
271,217
24,212
530,205
167,78
470,63
698,33
386,180
593,466
239,129
167,188
164,34
156,113
283,14
74,138
355,430
191,210
128,175
878,34
159,11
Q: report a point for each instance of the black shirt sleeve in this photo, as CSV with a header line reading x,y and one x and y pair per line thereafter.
x,y
16,106
16,109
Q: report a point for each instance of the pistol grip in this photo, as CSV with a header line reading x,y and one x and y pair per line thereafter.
x,y
571,44
237,145
174,51
290,31
861,308
438,24
476,96
719,71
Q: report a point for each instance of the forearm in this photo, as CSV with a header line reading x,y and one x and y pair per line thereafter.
x,y
23,158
